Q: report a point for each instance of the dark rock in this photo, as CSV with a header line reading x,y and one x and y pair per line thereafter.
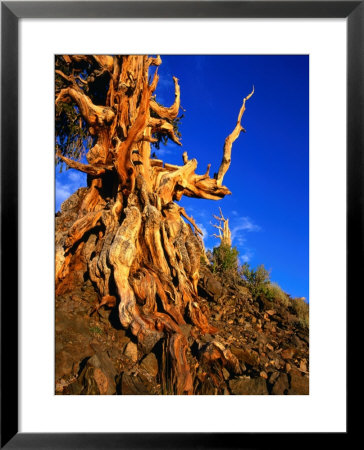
x,y
288,353
73,389
296,341
264,303
273,377
299,384
244,293
304,337
150,364
245,356
150,340
208,387
281,385
248,386
210,284
137,384
98,376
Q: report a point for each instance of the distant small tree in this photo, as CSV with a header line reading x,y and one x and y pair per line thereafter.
x,y
225,258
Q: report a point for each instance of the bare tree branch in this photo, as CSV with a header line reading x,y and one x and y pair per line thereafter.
x,y
171,112
86,168
226,159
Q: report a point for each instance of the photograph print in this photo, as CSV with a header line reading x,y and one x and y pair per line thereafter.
x,y
182,224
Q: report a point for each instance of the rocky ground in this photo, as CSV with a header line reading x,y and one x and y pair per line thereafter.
x,y
260,347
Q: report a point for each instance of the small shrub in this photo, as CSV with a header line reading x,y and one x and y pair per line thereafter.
x,y
95,330
301,309
225,259
278,294
257,280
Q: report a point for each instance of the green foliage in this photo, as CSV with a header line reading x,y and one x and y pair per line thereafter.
x,y
95,330
301,309
278,294
72,138
225,258
257,280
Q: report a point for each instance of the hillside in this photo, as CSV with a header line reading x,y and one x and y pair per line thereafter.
x,y
260,342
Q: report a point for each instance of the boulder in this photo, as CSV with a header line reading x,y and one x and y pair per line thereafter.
x,y
299,384
211,284
98,376
288,353
138,384
131,351
150,364
249,357
281,385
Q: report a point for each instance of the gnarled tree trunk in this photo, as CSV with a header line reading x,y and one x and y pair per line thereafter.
x,y
129,236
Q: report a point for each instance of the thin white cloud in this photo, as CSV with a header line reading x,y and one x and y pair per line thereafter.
x,y
197,212
67,183
239,240
171,150
245,257
243,224
204,231
163,151
75,177
62,192
240,226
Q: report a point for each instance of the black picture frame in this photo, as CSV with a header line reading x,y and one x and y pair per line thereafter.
x,y
11,12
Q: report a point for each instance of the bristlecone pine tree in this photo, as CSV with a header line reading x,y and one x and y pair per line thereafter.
x,y
130,236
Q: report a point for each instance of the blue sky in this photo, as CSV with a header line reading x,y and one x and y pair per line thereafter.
x,y
269,172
